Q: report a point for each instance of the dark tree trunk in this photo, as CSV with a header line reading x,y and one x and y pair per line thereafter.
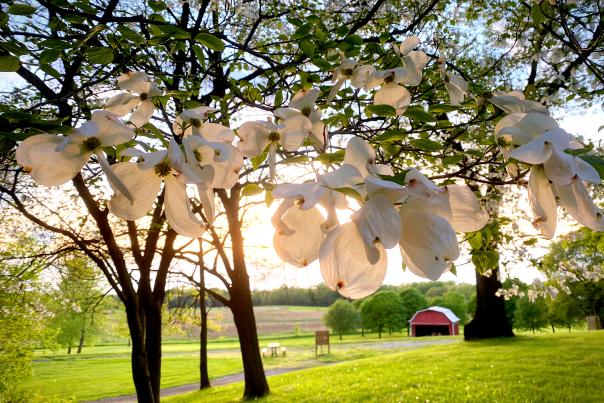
x,y
490,319
553,328
379,333
245,322
362,331
69,348
204,379
241,304
81,343
140,368
340,336
153,346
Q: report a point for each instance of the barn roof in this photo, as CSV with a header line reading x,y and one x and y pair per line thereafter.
x,y
445,311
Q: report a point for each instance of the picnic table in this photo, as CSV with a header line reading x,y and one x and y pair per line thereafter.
x,y
274,349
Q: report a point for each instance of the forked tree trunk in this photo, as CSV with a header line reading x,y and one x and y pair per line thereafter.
x,y
490,319
145,331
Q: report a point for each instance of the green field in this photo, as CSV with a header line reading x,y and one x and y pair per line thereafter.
x,y
104,371
563,367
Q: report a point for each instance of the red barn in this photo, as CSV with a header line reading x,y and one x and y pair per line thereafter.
x,y
434,321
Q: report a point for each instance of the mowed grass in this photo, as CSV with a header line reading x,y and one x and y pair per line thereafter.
x,y
105,371
561,367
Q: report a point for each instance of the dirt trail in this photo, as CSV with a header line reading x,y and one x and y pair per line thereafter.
x,y
225,380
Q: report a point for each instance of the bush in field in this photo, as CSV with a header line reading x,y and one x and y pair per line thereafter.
x,y
341,317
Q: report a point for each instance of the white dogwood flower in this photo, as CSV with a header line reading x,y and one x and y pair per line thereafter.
x,y
137,100
456,86
290,133
53,160
144,180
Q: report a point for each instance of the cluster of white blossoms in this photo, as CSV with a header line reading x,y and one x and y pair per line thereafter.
x,y
529,135
391,81
420,218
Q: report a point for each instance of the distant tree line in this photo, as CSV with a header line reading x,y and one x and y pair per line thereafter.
x,y
390,309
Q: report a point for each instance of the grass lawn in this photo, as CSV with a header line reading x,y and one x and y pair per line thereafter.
x,y
561,367
104,371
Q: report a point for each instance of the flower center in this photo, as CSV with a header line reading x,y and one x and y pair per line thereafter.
x,y
306,110
163,168
198,156
91,144
274,136
347,72
339,285
144,96
389,79
195,122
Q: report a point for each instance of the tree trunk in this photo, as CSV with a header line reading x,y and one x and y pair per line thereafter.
x,y
69,348
204,379
490,319
241,304
362,331
153,345
140,369
81,343
379,333
340,336
553,329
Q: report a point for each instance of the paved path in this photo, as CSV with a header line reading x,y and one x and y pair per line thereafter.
x,y
225,380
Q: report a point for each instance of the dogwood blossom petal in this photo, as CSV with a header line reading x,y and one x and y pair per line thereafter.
x,y
560,168
543,202
302,247
345,267
378,222
394,95
110,130
304,99
38,156
466,215
206,197
253,138
178,209
428,243
143,113
308,193
143,185
408,45
361,75
575,199
587,172
293,131
123,103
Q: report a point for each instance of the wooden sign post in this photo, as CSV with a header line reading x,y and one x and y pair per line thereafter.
x,y
321,339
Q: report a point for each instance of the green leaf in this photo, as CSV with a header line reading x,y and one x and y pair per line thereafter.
x,y
595,161
381,110
200,56
94,31
157,5
475,240
175,32
397,178
268,198
536,14
131,35
210,41
9,63
99,55
418,114
354,40
322,64
390,136
259,159
600,128
298,159
442,108
330,158
55,44
307,47
251,189
21,9
453,159
426,144
278,98
49,55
